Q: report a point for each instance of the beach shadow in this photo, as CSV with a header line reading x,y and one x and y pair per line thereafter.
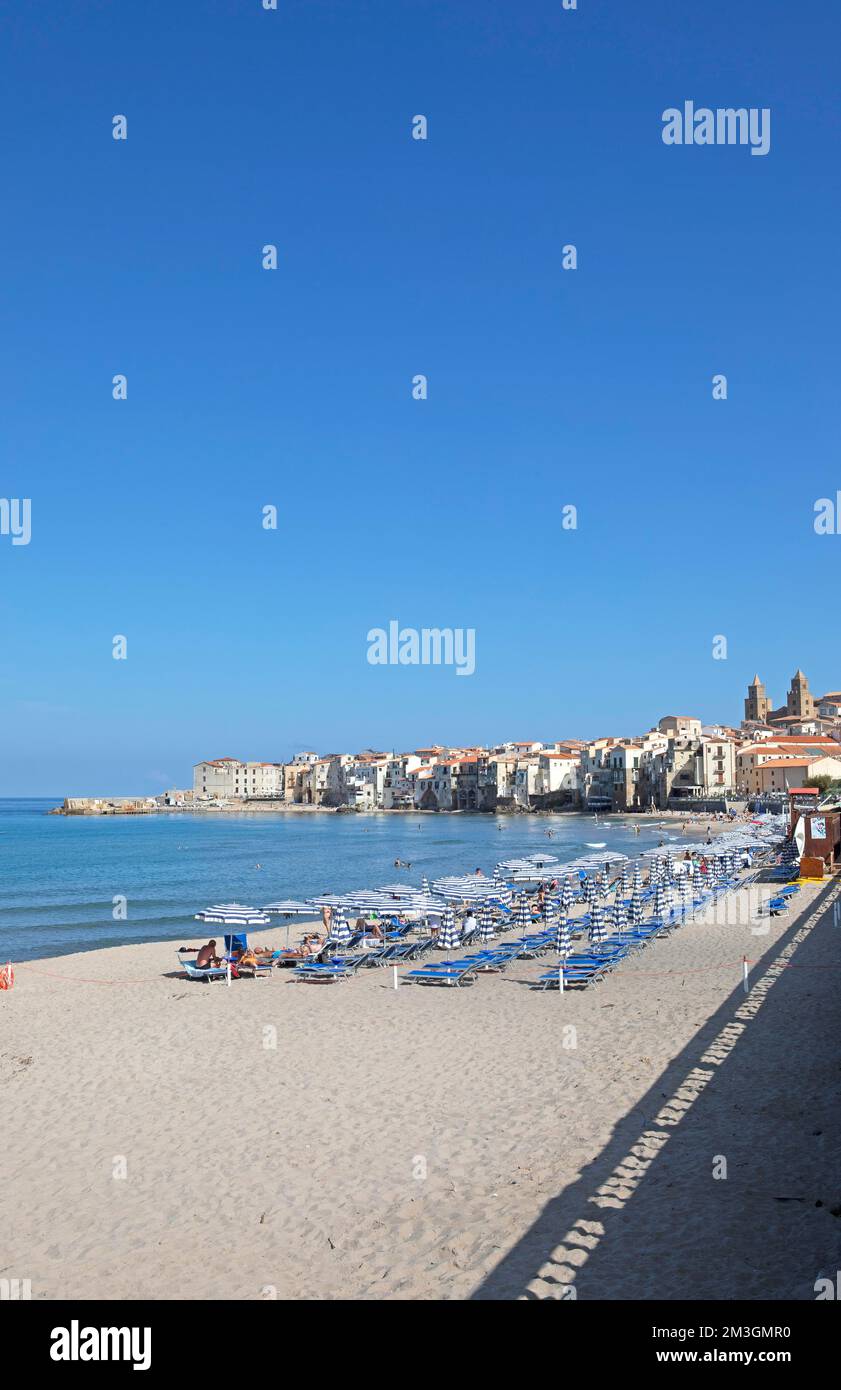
x,y
723,1181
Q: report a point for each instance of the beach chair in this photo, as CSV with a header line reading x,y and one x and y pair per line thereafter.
x,y
262,968
420,947
575,977
339,968
496,961
205,972
454,973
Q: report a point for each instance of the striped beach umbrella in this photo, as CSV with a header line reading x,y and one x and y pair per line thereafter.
x,y
685,894
449,935
522,913
486,923
566,894
625,882
597,928
339,930
289,907
620,916
659,900
234,915
563,937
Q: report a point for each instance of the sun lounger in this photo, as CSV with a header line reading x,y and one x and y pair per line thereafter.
x,y
495,961
339,968
574,977
204,972
444,973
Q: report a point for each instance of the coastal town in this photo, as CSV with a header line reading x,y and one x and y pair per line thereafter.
x,y
679,764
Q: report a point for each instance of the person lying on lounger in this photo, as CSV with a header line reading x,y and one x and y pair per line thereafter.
x,y
313,944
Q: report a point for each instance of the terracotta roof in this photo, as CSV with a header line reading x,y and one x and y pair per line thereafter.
x,y
803,738
787,762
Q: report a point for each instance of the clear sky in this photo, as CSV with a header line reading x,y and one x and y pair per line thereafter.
x,y
547,388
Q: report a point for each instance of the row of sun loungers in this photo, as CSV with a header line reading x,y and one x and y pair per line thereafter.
x,y
586,965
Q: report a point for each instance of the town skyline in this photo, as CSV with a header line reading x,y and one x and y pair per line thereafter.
x,y
677,762
153,783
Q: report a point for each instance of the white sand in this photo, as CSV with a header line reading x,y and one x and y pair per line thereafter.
x,y
297,1169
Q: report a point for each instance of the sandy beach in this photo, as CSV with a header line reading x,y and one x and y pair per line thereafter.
x,y
170,1139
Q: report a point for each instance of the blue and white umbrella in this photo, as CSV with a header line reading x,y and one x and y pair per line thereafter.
x,y
486,923
635,914
234,915
597,928
449,935
563,937
685,894
339,930
522,915
462,888
289,907
620,916
566,894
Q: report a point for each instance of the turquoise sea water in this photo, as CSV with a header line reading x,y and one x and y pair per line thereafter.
x,y
59,875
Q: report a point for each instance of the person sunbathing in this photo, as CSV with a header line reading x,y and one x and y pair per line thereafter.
x,y
313,944
244,955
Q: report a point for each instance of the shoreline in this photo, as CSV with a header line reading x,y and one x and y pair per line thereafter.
x,y
536,1165
301,808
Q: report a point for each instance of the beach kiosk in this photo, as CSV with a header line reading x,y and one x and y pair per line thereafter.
x,y
816,832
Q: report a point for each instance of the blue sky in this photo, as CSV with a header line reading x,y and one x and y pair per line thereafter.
x,y
292,387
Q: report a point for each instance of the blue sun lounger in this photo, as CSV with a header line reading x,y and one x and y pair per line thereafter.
x,y
451,972
339,968
573,976
204,972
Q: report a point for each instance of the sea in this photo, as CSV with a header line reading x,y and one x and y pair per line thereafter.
x,y
77,883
